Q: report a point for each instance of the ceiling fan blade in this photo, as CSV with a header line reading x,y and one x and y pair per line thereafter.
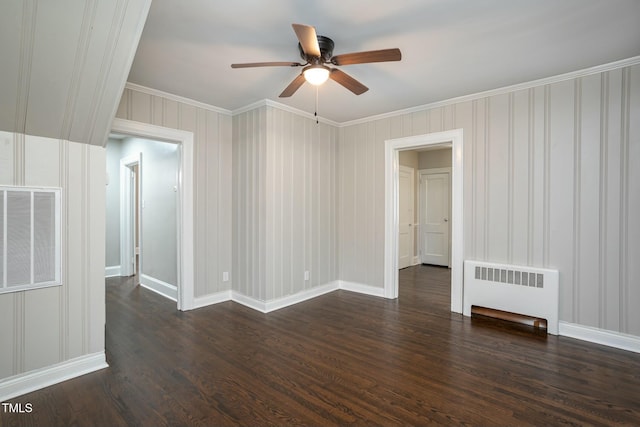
x,y
293,86
347,81
384,55
308,39
267,64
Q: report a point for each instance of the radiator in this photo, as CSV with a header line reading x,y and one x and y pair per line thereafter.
x,y
518,289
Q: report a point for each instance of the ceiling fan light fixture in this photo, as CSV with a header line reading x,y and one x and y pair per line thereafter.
x,y
316,51
316,74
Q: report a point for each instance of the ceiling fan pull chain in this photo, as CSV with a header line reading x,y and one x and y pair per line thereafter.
x,y
316,112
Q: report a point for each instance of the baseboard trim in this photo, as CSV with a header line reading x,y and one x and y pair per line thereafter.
x,y
416,261
248,301
307,294
211,299
158,286
286,301
600,336
112,271
361,288
278,303
44,377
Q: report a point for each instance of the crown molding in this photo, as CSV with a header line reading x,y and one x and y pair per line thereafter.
x,y
252,106
283,107
501,91
472,97
301,113
249,107
177,98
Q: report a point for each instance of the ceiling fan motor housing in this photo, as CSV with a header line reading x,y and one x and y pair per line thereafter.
x,y
326,51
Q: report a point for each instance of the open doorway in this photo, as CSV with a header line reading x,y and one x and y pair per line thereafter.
x,y
148,182
393,148
177,219
424,197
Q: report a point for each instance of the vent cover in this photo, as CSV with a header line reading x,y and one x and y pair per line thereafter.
x,y
29,238
512,277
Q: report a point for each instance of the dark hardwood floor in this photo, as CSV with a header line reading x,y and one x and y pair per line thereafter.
x,y
339,359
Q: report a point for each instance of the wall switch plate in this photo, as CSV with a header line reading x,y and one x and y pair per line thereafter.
x,y
306,275
225,276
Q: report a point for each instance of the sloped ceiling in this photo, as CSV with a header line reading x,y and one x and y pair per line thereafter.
x,y
64,64
450,48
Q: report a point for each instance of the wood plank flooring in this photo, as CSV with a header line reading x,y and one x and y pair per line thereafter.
x,y
339,359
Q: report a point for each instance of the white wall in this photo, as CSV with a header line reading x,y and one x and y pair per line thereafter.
x,y
284,203
301,215
112,235
249,203
551,179
212,176
47,326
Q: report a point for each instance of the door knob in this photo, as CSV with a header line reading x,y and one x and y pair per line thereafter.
x,y
446,220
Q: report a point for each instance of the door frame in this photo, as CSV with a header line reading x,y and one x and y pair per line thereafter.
x,y
421,207
127,218
185,198
392,147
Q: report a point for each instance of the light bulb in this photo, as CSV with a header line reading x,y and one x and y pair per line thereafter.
x,y
316,74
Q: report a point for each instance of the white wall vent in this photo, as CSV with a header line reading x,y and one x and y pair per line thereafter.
x,y
29,238
517,289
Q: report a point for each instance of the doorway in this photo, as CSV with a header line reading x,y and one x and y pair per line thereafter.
x,y
158,164
453,138
184,195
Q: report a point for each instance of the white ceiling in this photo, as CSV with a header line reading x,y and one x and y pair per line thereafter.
x,y
450,48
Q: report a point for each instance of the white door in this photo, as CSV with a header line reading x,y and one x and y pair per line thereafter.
x,y
406,217
128,191
434,221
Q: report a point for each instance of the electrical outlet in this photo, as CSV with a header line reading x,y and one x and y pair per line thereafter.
x,y
306,275
225,276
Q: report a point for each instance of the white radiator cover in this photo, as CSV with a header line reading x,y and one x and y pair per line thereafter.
x,y
518,289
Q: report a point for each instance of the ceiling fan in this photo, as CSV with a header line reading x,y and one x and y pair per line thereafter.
x,y
317,51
